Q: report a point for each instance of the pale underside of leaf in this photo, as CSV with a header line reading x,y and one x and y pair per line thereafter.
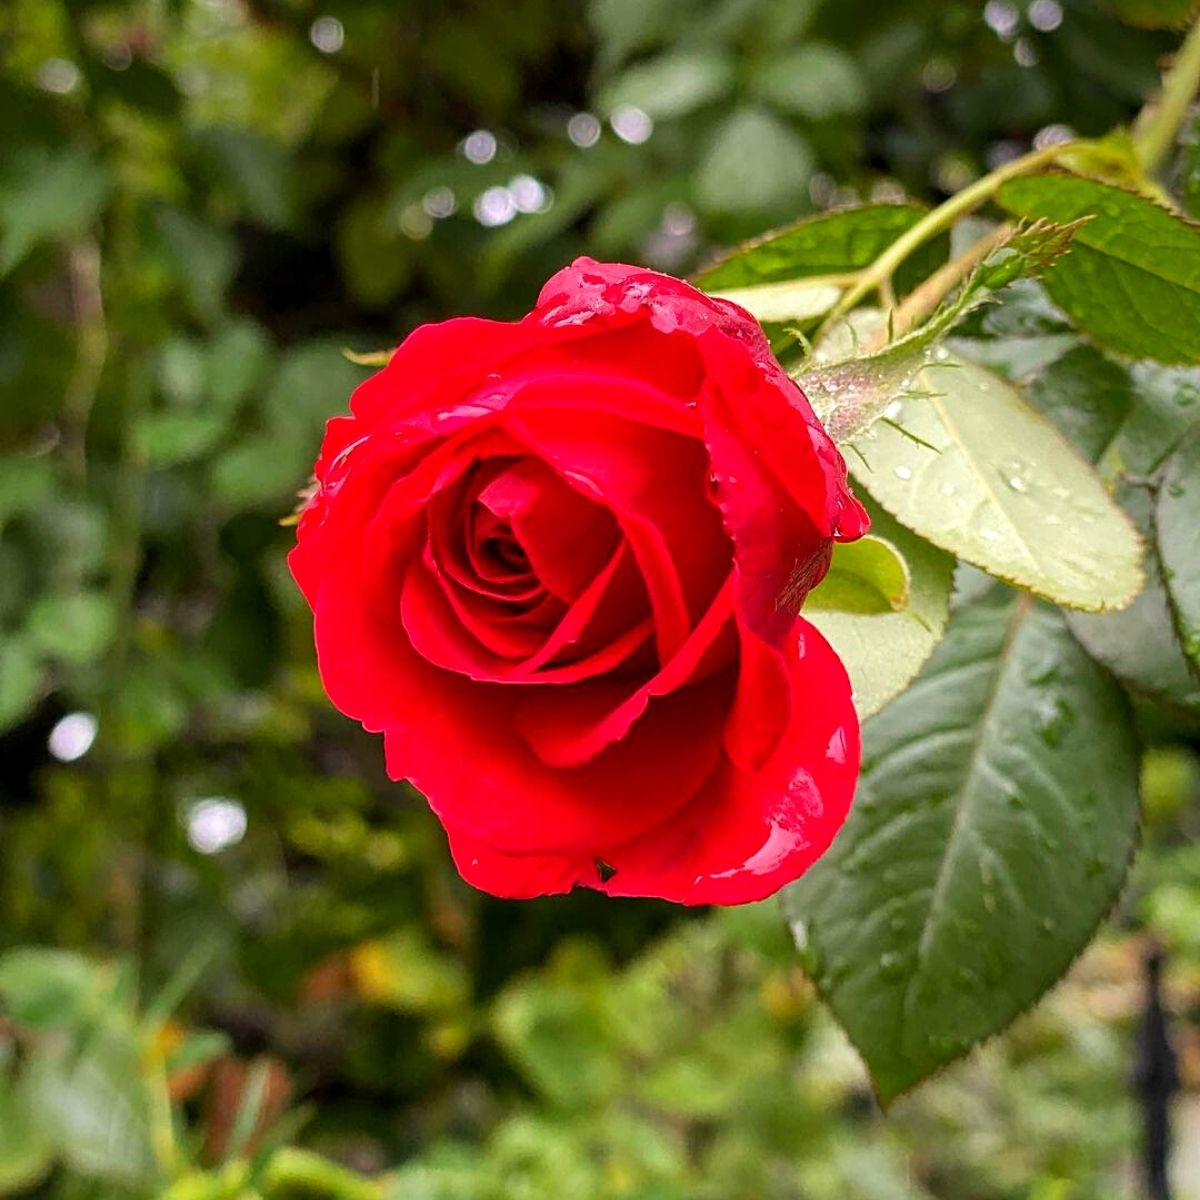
x,y
793,300
971,467
883,650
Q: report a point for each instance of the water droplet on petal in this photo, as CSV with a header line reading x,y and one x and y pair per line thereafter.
x,y
903,472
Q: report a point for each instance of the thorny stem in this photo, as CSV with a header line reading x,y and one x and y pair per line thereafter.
x,y
924,300
935,222
1159,125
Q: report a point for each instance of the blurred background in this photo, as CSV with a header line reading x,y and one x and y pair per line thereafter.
x,y
227,944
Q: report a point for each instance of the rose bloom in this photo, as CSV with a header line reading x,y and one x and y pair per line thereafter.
x,y
557,563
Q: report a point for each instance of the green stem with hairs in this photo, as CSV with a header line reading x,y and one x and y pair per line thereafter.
x,y
936,221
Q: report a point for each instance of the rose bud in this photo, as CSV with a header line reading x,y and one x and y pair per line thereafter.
x,y
558,564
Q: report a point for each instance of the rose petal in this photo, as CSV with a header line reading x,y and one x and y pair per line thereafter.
x,y
577,723
744,836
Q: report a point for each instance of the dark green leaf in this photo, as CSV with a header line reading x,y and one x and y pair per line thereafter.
x,y
204,257
995,817
1141,644
829,244
1087,395
1178,525
44,196
1132,279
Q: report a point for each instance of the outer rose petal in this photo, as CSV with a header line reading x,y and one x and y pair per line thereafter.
x,y
742,837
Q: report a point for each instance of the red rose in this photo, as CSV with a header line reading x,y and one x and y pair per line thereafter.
x,y
557,564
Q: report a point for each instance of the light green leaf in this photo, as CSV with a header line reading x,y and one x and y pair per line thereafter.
x,y
20,678
885,642
972,468
94,1107
996,813
44,196
754,162
75,629
26,1152
1132,279
45,989
815,80
1178,523
671,85
866,577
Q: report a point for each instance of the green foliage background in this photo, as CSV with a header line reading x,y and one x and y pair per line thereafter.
x,y
202,202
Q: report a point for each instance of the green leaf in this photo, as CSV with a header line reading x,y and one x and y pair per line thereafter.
x,y
46,196
257,170
311,382
865,577
1155,14
972,468
996,813
1132,279
908,592
26,1151
169,438
1166,406
1141,645
20,678
204,258
94,1106
1087,395
830,244
753,163
45,989
1178,525
261,470
672,84
815,80
25,483
74,629
238,358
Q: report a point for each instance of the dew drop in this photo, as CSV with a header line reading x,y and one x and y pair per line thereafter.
x,y
1017,483
903,472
